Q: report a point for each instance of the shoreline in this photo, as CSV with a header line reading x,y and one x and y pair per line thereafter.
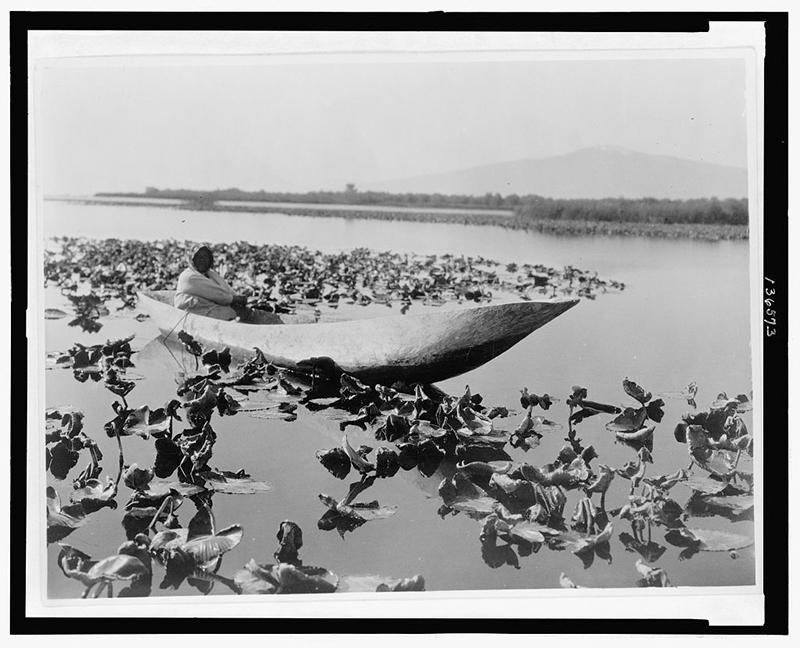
x,y
700,231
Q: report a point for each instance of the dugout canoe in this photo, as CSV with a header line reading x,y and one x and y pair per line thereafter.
x,y
424,347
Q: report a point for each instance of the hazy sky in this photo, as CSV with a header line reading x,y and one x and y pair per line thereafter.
x,y
301,127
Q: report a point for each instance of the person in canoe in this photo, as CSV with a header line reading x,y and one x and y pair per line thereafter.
x,y
203,291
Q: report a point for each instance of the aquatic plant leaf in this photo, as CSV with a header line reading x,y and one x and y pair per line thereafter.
x,y
190,344
666,482
220,358
635,391
593,541
117,385
527,532
744,404
352,386
387,463
360,512
567,476
651,576
474,421
204,549
61,521
517,493
480,451
94,495
734,504
284,578
232,483
582,414
374,583
290,537
650,551
578,394
643,436
336,461
369,511
119,567
655,410
137,478
481,471
601,481
160,489
461,494
633,470
61,458
200,408
168,539
394,427
75,564
359,463
709,486
226,404
566,582
629,421
542,425
168,457
143,421
53,313
714,540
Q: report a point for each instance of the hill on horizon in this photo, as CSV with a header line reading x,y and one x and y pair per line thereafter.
x,y
597,172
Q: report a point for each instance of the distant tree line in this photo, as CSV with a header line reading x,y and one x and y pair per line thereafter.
x,y
728,211
350,196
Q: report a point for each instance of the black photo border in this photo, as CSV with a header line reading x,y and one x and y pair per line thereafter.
x,y
775,378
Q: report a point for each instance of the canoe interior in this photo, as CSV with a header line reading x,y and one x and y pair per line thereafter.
x,y
261,318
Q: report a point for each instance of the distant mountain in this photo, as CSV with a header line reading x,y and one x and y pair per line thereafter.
x,y
599,172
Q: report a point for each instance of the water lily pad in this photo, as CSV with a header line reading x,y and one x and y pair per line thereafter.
x,y
284,578
358,462
119,567
708,539
591,541
61,521
629,421
232,483
641,436
204,549
541,425
635,391
94,495
53,313
144,422
461,494
190,344
651,576
567,583
336,461
734,504
709,486
160,488
374,583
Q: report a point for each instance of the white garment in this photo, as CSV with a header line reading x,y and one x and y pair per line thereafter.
x,y
204,294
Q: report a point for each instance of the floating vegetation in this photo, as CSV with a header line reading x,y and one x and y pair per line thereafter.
x,y
554,502
292,279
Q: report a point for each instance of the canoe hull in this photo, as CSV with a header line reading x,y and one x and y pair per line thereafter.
x,y
425,347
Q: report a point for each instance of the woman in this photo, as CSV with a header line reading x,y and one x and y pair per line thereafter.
x,y
203,292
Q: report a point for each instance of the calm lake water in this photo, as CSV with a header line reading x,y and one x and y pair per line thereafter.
x,y
683,317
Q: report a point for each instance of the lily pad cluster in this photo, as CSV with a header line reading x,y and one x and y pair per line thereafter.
x,y
283,279
522,507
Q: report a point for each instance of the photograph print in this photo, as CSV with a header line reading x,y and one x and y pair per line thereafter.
x,y
377,322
